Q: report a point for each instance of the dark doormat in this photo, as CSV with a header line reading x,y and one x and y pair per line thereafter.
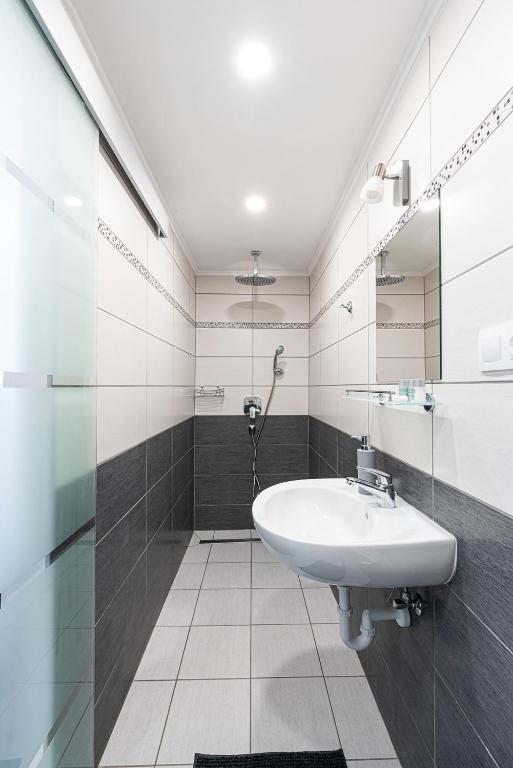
x,y
333,759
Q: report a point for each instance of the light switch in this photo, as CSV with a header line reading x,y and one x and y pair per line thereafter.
x,y
496,348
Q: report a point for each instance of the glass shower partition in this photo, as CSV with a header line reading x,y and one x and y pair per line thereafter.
x,y
48,215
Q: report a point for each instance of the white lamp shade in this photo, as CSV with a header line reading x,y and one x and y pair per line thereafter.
x,y
373,190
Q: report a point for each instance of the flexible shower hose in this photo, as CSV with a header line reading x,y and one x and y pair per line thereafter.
x,y
255,439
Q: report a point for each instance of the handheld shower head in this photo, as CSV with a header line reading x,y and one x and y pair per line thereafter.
x,y
280,349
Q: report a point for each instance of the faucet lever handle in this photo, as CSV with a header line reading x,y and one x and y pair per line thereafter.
x,y
376,472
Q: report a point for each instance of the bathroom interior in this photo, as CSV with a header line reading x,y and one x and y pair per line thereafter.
x,y
256,386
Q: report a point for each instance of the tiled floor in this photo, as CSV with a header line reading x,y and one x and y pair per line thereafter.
x,y
246,658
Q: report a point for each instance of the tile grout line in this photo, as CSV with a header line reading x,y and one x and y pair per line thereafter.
x,y
320,665
180,666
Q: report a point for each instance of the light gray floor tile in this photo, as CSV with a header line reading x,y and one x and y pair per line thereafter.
x,y
269,575
336,658
372,764
178,608
227,576
189,576
291,715
136,735
223,606
197,553
283,651
163,654
312,584
261,554
362,732
204,534
238,534
216,652
322,606
254,534
231,552
208,716
278,606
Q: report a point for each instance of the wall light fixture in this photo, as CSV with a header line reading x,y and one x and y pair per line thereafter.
x,y
374,188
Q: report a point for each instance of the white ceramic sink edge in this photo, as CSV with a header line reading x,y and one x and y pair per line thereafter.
x,y
328,531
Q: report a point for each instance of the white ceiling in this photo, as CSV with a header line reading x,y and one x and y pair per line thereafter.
x,y
211,139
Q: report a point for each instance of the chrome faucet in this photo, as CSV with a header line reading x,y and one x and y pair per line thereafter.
x,y
382,487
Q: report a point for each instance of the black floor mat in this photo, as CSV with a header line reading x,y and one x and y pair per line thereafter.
x,y
333,759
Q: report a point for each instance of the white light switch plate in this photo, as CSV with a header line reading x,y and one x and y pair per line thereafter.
x,y
496,348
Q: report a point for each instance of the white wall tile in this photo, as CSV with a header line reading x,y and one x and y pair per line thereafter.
x,y
121,289
328,325
330,365
448,29
280,309
353,358
295,371
328,282
354,247
473,440
121,351
214,307
291,401
391,369
286,284
224,342
314,370
478,299
161,316
295,341
399,308
475,78
183,403
480,193
235,371
161,411
121,419
184,368
117,209
220,284
404,342
160,362
353,415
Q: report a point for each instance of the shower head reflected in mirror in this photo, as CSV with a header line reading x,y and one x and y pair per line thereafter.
x,y
384,278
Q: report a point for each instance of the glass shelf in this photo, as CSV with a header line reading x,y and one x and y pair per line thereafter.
x,y
390,399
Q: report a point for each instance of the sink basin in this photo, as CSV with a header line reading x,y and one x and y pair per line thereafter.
x,y
327,531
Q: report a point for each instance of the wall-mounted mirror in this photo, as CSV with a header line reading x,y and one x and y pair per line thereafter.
x,y
408,300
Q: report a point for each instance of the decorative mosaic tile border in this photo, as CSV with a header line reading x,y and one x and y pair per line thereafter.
x,y
408,326
119,245
265,326
485,129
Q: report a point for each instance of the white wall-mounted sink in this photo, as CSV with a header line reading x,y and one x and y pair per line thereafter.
x,y
326,530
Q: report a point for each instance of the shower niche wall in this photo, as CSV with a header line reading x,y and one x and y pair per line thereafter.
x,y
408,300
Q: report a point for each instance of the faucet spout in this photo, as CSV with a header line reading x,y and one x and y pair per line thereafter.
x,y
382,488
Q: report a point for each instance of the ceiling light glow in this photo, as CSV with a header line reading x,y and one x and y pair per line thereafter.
x,y
253,60
256,203
73,202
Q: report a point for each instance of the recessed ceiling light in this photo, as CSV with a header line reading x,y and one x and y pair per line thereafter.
x,y
256,203
253,60
73,202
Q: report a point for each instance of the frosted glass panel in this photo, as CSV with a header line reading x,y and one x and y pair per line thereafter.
x,y
48,208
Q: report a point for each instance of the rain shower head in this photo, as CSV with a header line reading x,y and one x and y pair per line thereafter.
x,y
384,278
255,278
